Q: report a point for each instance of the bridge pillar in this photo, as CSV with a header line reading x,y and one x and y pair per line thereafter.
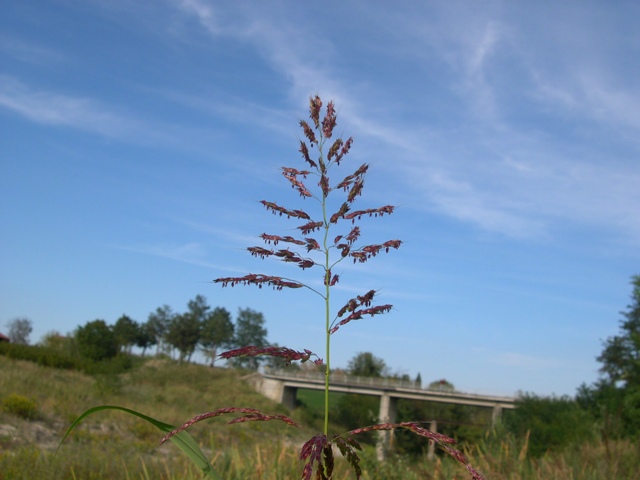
x,y
387,414
495,415
269,387
289,397
431,452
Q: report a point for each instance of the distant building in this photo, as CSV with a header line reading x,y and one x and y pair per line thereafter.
x,y
4,338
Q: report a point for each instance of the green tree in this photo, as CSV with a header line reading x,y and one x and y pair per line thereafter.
x,y
55,340
146,337
96,340
126,332
158,323
621,355
217,331
464,423
354,411
198,308
553,423
366,364
249,331
19,330
359,410
192,322
605,402
183,334
441,385
614,400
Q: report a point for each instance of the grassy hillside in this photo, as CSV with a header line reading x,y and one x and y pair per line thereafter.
x,y
115,445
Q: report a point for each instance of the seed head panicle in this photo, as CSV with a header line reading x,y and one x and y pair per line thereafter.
x,y
329,121
276,238
250,414
278,210
259,280
315,104
292,175
308,132
344,150
288,354
335,149
311,454
305,154
317,453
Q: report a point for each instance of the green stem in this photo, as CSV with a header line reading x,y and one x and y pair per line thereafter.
x,y
327,364
327,306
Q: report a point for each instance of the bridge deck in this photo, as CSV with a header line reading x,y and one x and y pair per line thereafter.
x,y
385,386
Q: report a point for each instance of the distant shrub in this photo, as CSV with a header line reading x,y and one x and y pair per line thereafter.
x,y
54,358
21,406
56,341
45,356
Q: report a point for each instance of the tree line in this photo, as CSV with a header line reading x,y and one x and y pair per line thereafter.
x,y
200,328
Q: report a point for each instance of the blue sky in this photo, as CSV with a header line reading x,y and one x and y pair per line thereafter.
x,y
137,138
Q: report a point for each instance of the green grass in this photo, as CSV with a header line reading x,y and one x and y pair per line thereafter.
x,y
110,443
116,445
314,399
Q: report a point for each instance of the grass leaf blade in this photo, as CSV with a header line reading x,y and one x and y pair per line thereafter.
x,y
183,440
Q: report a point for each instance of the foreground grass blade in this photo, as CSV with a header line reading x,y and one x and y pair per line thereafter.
x,y
183,440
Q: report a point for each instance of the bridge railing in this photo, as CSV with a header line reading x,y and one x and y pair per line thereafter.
x,y
339,378
342,379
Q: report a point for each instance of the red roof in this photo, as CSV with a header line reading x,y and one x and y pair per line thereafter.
x,y
4,338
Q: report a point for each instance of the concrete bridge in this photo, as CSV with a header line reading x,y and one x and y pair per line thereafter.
x,y
282,386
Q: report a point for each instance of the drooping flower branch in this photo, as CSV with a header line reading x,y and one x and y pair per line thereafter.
x,y
277,283
287,354
250,415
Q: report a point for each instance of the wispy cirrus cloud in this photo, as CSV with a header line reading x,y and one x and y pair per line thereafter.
x,y
192,253
518,174
30,52
286,49
50,108
98,117
591,97
284,44
492,171
519,360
